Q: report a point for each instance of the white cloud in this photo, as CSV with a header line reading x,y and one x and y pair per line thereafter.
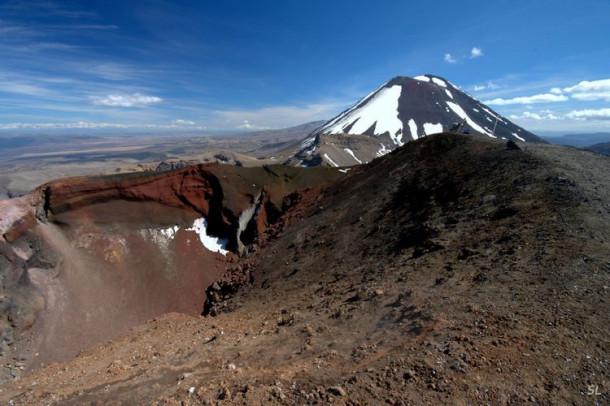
x,y
488,86
599,114
450,59
476,52
590,90
117,100
580,115
247,125
535,116
183,122
539,98
556,90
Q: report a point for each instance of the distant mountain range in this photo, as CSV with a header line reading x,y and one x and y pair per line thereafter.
x,y
401,110
579,140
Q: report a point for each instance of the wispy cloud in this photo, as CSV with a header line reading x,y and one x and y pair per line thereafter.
x,y
450,59
589,114
44,8
45,46
476,52
590,90
90,125
535,116
23,88
112,71
279,116
119,100
538,98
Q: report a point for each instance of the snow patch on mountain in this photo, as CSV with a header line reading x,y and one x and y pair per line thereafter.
x,y
413,128
333,163
308,142
350,152
430,128
517,136
491,113
380,113
457,109
439,82
422,78
382,151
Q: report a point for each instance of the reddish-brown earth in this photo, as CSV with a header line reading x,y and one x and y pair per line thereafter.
x,y
452,271
84,259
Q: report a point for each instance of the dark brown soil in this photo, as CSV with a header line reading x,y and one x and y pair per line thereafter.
x,y
453,271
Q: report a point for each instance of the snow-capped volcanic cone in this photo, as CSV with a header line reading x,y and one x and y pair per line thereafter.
x,y
402,110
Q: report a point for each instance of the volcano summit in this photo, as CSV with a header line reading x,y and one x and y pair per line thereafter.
x,y
402,110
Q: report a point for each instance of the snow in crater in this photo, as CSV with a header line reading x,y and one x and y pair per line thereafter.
x,y
382,151
381,110
422,78
430,128
449,93
457,109
212,243
160,236
439,82
517,136
349,151
333,163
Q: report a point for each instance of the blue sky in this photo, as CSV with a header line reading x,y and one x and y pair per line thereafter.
x,y
226,65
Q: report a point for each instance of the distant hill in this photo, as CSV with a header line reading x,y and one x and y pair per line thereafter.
x,y
603,147
579,140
